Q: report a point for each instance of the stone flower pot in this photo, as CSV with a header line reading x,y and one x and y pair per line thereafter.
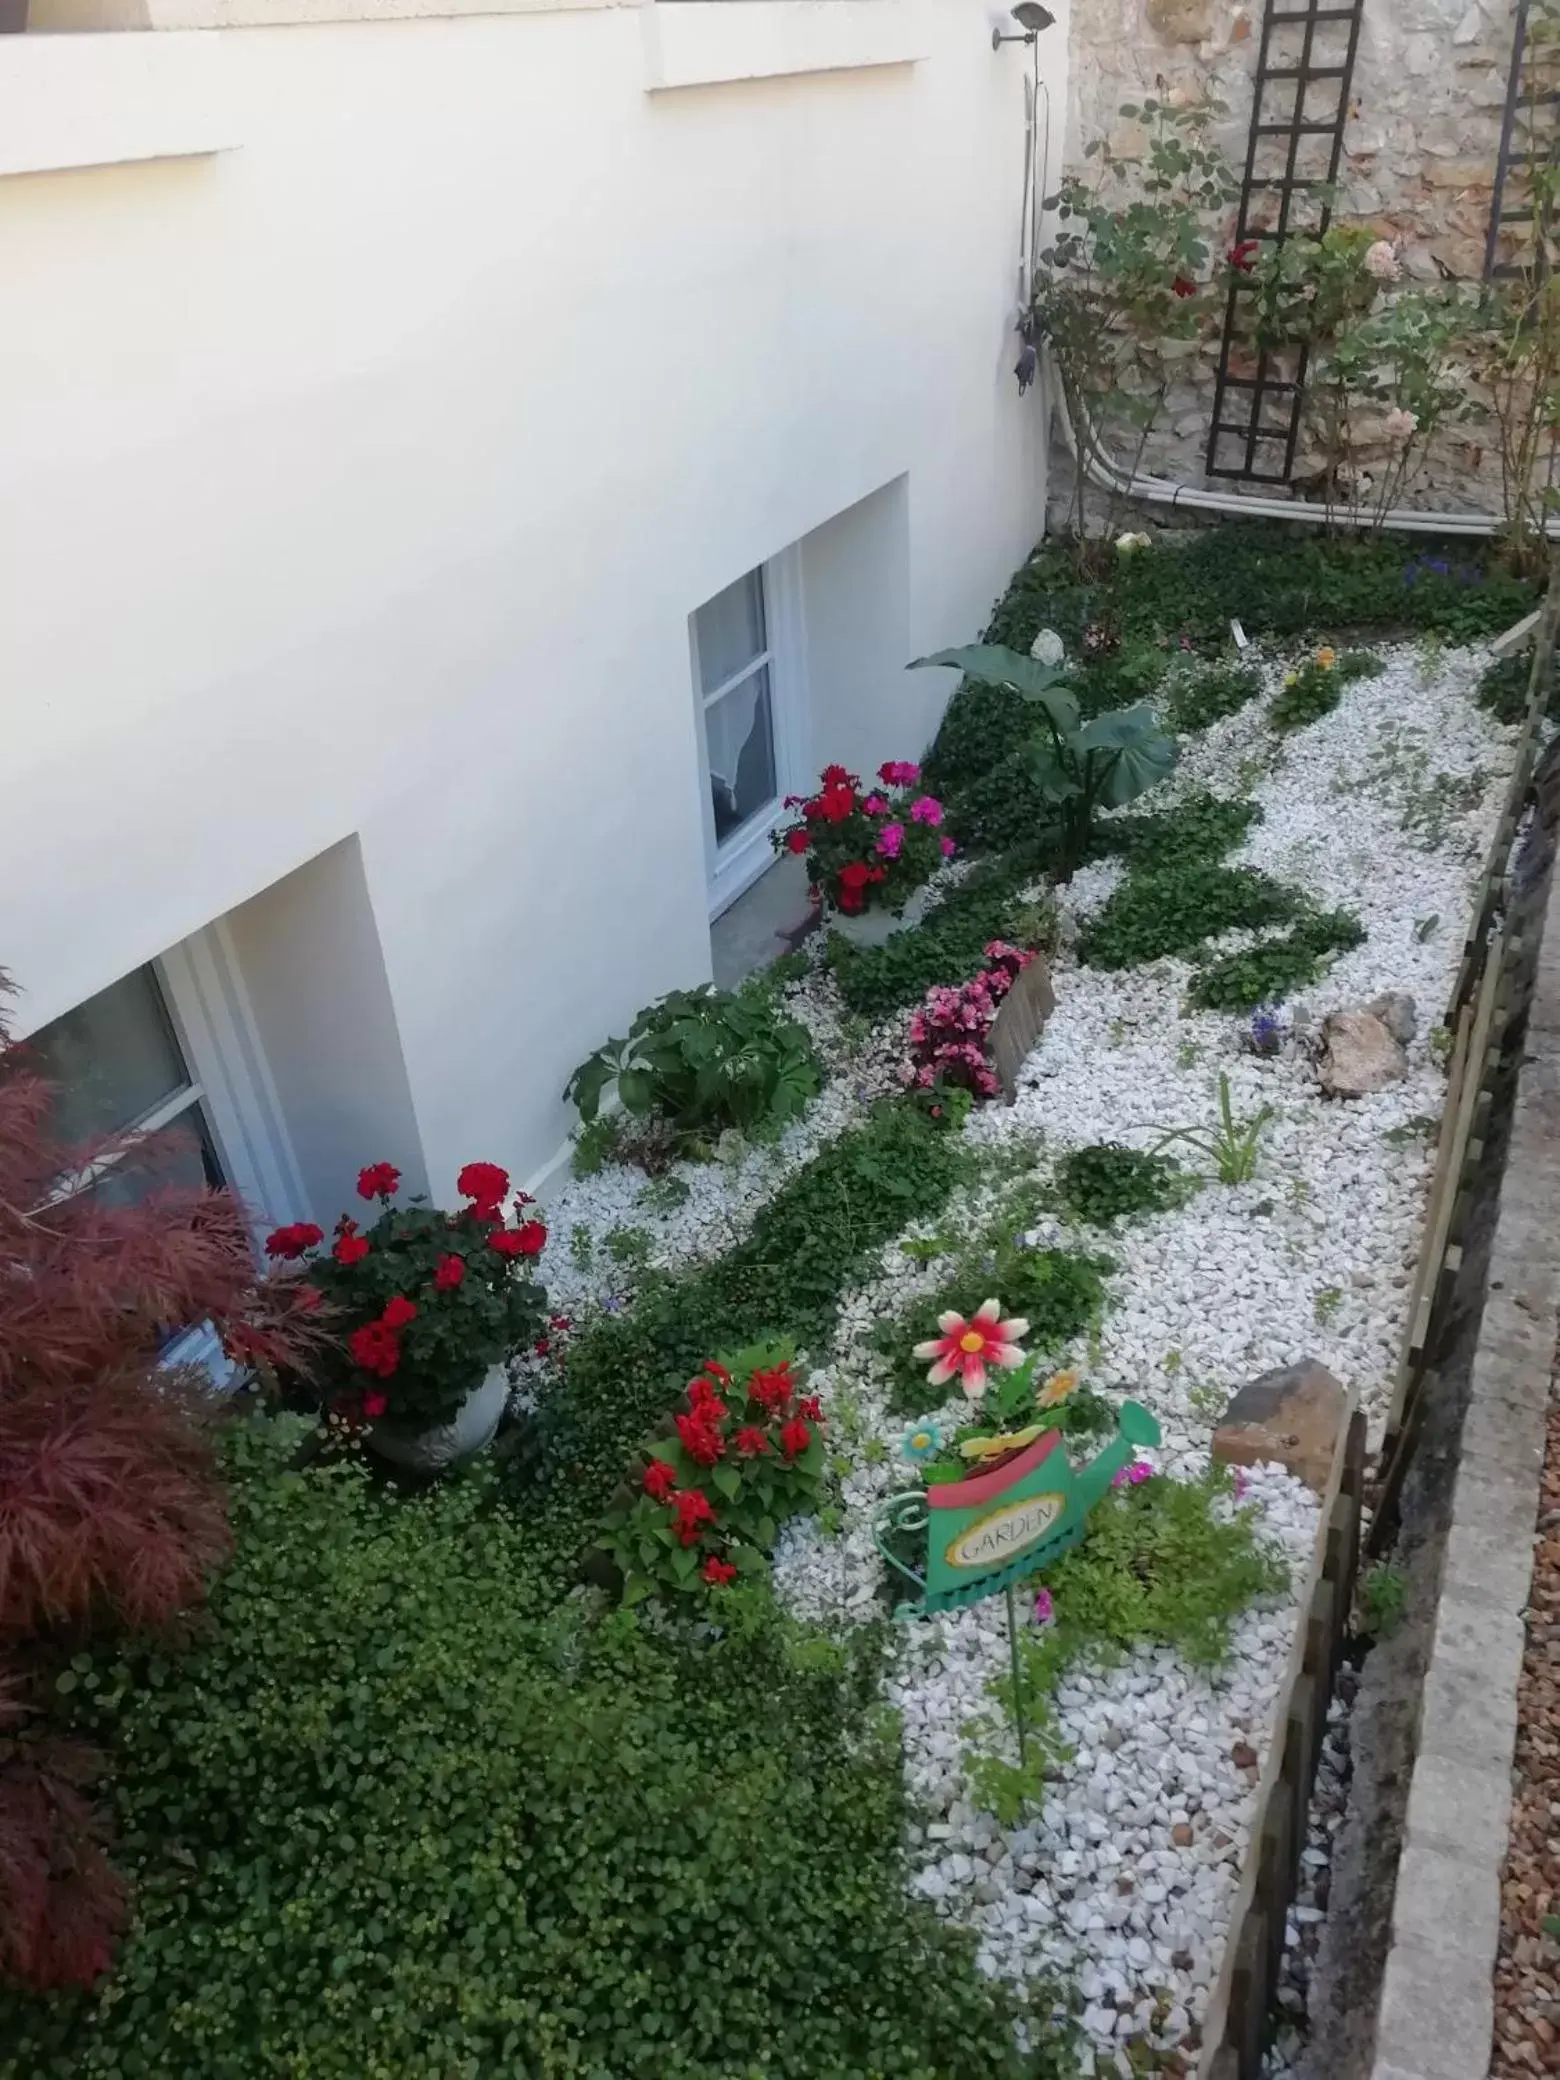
x,y
469,1431
872,926
13,16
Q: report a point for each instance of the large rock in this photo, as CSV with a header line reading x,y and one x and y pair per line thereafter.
x,y
1359,1055
1293,1416
1396,1010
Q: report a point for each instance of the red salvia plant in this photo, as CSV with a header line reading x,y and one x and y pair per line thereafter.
x,y
111,1511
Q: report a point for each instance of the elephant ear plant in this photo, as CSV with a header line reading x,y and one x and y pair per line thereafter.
x,y
1079,767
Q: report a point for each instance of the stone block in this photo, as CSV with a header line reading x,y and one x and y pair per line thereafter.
x,y
1504,1433
1488,1562
1432,2023
1020,1019
1463,1811
1359,1055
1448,1904
1293,1416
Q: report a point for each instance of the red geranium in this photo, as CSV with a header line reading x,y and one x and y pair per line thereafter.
x,y
378,1181
398,1312
795,1438
718,1572
751,1441
375,1402
837,776
292,1242
375,1348
485,1183
525,1241
1182,287
691,1509
660,1480
448,1274
350,1249
700,1440
834,804
797,840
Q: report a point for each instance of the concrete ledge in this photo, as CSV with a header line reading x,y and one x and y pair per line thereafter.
x,y
699,43
109,100
1437,2015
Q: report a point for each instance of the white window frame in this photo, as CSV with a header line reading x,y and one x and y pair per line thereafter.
x,y
733,866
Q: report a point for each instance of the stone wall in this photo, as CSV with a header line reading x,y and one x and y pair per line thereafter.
x,y
1419,159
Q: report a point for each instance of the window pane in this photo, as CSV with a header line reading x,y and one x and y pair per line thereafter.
x,y
742,753
182,1155
730,631
111,1060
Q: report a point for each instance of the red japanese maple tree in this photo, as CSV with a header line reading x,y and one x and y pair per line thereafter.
x,y
111,1512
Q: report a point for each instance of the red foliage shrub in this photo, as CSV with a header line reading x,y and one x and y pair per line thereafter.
x,y
110,1510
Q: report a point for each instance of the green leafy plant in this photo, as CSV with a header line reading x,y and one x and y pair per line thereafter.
x,y
664,1195
1078,768
1232,1146
1383,1598
1326,1304
1105,1183
717,1479
631,1248
424,1302
1173,910
1207,693
868,848
598,1144
1313,689
1272,971
1201,827
705,1060
396,1812
948,946
1503,689
1358,664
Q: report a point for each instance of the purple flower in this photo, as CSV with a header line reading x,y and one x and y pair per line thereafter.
x,y
1133,1476
612,1304
889,840
1045,1607
948,847
1267,1035
926,809
1242,1483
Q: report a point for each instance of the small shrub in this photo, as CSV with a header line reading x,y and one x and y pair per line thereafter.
x,y
1203,827
598,1144
1274,970
1309,692
1359,664
1383,1598
1232,1145
1208,693
705,1061
1503,690
1174,910
948,946
1105,1183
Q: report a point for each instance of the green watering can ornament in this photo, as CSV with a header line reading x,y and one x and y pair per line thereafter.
x,y
977,1536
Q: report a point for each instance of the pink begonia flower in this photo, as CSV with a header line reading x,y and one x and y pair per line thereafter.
x,y
1133,1476
948,848
889,840
875,805
1045,1607
1242,1483
926,809
1381,261
966,1347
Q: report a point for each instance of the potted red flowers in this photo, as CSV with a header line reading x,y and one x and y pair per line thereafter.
x,y
870,851
429,1306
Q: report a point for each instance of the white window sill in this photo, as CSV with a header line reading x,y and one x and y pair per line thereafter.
x,y
700,43
109,100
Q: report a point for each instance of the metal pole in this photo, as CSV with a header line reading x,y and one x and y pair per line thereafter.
x,y
1018,1687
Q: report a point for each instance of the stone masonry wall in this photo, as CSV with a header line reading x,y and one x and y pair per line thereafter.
x,y
1419,161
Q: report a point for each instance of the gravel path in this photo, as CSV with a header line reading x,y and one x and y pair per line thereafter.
x,y
1527,1969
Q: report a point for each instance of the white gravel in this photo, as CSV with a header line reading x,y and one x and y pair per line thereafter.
x,y
1122,1883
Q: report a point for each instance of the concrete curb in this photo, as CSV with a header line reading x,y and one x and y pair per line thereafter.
x,y
1437,2014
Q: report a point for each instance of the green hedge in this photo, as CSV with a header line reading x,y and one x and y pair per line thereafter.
x,y
392,1817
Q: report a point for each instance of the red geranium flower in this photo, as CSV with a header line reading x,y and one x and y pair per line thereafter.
x,y
448,1274
375,1348
834,804
700,1439
855,874
542,1346
398,1311
525,1241
660,1479
691,1509
718,1572
484,1183
797,840
795,1438
378,1181
375,1402
350,1249
751,1441
1182,287
293,1241
811,1408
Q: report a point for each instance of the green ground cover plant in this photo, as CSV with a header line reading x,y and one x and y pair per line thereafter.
x,y
1163,1563
948,946
1202,826
394,1812
1275,969
1206,693
1105,1183
1176,909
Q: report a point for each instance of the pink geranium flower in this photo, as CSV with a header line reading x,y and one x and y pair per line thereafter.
x,y
1133,1476
926,809
889,840
875,805
966,1347
948,847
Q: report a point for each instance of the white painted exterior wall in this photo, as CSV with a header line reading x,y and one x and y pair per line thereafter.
x,y
357,483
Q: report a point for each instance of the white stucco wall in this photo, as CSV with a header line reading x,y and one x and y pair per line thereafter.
x,y
359,481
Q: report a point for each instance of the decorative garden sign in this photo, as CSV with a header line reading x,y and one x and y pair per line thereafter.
x,y
983,1534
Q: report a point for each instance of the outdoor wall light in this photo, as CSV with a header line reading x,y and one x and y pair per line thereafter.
x,y
1031,18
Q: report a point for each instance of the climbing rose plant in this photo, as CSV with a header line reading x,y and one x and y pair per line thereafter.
x,y
868,848
711,1489
426,1301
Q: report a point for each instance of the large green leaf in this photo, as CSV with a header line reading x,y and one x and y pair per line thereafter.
x,y
1055,779
1043,684
1134,750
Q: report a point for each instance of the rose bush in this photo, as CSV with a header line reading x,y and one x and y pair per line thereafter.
x,y
424,1302
868,848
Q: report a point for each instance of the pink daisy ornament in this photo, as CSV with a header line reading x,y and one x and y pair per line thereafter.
x,y
966,1348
